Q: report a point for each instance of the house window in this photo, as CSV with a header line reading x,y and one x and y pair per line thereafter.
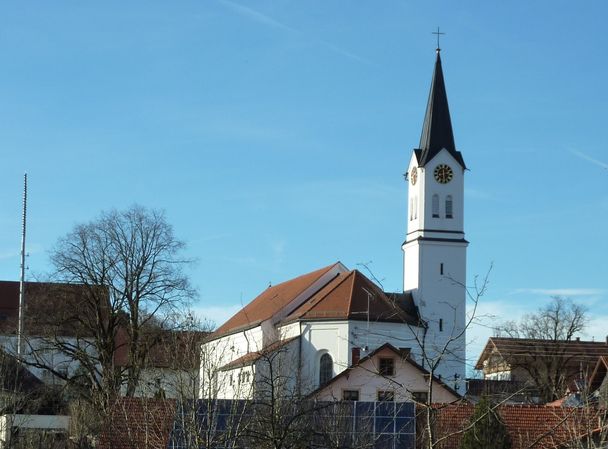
x,y
420,396
386,395
387,367
350,395
435,206
441,269
326,369
449,213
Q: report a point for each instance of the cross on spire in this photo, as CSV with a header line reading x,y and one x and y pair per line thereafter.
x,y
438,33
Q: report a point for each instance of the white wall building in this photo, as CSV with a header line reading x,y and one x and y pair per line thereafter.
x,y
328,320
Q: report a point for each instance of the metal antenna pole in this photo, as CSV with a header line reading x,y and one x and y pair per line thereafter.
x,y
22,278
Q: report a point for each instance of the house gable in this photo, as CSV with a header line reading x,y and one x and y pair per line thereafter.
x,y
370,378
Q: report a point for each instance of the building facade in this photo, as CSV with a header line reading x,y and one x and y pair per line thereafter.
x,y
322,323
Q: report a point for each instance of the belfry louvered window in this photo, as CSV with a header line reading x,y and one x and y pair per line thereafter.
x,y
449,208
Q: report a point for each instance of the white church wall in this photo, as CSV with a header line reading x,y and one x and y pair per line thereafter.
x,y
318,338
289,330
435,267
237,383
442,301
454,188
279,369
220,352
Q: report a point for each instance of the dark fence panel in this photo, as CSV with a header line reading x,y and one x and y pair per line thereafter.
x,y
236,424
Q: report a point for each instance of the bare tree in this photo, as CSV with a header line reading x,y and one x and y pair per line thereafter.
x,y
281,418
561,319
130,270
553,358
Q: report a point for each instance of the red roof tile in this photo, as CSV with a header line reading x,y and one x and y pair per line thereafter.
x,y
138,423
50,308
347,295
576,351
270,302
352,297
529,425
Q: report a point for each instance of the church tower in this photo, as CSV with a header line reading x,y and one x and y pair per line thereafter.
x,y
435,247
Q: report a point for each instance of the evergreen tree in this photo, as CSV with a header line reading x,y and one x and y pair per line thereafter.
x,y
488,430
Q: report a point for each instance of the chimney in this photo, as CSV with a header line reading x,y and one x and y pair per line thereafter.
x,y
355,356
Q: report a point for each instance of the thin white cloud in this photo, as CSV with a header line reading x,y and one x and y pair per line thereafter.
x,y
590,159
561,291
264,19
257,16
344,52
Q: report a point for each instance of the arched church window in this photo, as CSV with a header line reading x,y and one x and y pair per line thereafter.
x,y
326,369
411,209
449,210
415,207
435,206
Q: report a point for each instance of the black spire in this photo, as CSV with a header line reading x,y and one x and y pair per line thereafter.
x,y
437,128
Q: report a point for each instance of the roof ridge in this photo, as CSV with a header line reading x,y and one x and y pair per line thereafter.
x,y
321,271
265,298
547,340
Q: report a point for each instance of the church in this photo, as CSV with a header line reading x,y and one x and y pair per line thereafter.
x,y
334,333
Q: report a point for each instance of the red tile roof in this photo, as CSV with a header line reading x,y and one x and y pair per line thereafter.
x,y
349,295
529,425
138,423
352,297
50,308
270,302
576,351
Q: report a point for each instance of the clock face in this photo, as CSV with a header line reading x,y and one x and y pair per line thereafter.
x,y
443,174
414,176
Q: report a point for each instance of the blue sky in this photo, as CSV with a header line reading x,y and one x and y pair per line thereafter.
x,y
275,135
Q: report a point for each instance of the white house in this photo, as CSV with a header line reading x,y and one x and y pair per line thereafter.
x,y
387,373
327,321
